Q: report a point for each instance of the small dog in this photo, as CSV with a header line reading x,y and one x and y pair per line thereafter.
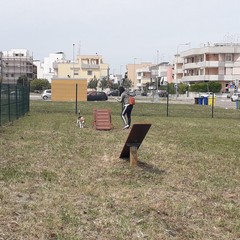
x,y
80,120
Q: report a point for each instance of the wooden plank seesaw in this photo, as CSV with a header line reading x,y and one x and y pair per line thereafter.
x,y
133,142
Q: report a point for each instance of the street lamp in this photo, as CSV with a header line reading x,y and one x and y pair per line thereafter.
x,y
134,72
121,69
73,59
181,44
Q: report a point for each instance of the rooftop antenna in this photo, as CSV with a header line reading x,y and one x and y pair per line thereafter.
x,y
79,48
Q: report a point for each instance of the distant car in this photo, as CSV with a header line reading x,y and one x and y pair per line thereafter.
x,y
97,96
113,93
207,94
144,94
47,94
162,93
235,97
132,93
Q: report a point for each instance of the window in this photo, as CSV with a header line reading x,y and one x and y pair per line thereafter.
x,y
89,72
228,57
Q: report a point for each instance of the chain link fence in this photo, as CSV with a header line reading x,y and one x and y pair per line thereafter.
x,y
14,102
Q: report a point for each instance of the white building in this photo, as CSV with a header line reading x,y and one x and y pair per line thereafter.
x,y
15,64
217,63
162,73
143,77
45,69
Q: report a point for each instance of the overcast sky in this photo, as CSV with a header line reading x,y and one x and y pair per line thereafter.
x,y
119,30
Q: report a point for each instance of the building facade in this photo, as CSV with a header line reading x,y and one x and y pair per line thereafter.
x,y
135,69
217,63
144,74
46,69
84,67
15,64
162,73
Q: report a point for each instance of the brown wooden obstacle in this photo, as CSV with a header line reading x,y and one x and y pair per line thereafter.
x,y
133,142
102,119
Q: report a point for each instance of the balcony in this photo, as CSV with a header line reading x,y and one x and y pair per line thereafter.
x,y
220,77
90,66
200,78
206,64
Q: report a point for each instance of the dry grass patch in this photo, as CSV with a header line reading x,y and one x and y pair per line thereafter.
x,y
61,182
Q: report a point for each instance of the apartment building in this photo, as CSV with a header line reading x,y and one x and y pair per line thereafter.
x,y
17,63
45,70
138,73
162,73
85,67
219,62
150,73
71,77
143,77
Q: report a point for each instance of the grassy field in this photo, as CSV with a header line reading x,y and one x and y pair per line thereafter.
x,y
61,182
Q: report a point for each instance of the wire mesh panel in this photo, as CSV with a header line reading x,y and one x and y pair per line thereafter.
x,y
14,102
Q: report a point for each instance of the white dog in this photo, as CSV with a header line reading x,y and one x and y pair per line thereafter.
x,y
80,120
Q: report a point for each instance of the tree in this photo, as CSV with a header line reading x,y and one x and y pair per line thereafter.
x,y
23,80
126,83
182,88
205,87
103,83
115,86
93,83
171,88
39,84
215,87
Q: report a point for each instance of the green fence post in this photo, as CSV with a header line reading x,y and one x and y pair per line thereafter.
x,y
0,104
212,104
76,103
9,106
167,97
16,101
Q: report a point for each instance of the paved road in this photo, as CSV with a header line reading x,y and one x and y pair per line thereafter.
x,y
221,101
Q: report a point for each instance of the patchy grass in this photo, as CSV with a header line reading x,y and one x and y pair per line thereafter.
x,y
61,182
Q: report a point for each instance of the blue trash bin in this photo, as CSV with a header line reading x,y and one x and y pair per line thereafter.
x,y
200,101
205,100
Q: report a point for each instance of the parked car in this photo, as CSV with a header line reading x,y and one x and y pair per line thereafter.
x,y
207,94
47,94
113,93
235,97
162,93
97,96
144,94
132,93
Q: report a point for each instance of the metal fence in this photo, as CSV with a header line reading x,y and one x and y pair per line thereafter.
x,y
14,102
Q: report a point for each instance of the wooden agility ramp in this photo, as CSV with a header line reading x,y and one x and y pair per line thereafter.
x,y
102,119
133,142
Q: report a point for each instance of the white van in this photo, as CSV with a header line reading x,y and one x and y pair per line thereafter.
x,y
235,97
